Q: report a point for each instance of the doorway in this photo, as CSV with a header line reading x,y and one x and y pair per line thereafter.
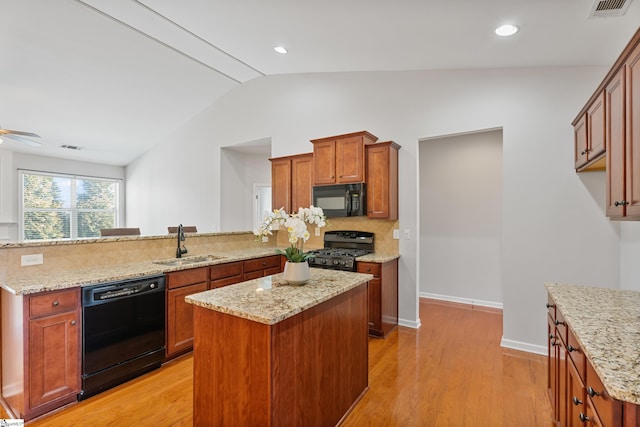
x,y
461,218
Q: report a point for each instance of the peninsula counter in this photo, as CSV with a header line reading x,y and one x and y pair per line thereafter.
x,y
270,354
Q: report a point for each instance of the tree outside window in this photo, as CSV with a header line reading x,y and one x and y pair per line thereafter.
x,y
66,207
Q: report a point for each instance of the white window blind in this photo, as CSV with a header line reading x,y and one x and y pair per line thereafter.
x,y
67,207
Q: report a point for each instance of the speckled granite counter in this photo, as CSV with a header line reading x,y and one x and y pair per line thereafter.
x,y
19,285
606,323
270,299
377,258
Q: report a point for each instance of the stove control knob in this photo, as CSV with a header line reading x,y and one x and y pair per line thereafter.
x,y
336,262
323,261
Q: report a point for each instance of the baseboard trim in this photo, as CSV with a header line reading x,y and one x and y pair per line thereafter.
x,y
459,300
410,323
523,346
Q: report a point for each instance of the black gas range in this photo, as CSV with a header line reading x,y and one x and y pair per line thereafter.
x,y
341,248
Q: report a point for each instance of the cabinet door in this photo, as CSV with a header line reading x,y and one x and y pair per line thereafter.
x,y
350,160
615,139
382,181
596,128
576,397
633,135
375,307
301,181
180,318
54,357
552,367
580,141
281,184
324,162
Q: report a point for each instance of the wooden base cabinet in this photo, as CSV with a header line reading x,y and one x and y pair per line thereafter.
x,y
578,397
383,296
42,372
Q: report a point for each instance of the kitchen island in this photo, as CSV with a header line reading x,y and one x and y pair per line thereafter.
x,y
269,354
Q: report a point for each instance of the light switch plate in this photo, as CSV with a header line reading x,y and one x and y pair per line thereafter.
x,y
396,233
33,259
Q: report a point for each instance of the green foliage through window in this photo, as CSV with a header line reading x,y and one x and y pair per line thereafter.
x,y
66,207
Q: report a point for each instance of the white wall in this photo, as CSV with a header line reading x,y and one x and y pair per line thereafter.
x,y
461,218
553,228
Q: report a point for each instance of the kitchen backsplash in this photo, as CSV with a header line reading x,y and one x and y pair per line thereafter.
x,y
383,230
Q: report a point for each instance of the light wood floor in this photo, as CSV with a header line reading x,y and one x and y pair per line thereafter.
x,y
450,372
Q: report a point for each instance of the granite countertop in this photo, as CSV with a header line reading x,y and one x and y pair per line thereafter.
x,y
377,258
606,323
270,299
94,275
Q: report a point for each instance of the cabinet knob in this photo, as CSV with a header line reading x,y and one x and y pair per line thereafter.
x,y
55,303
621,203
584,418
557,322
591,392
551,336
571,348
549,305
576,401
73,322
264,264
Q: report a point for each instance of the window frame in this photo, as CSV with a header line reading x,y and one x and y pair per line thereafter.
x,y
73,209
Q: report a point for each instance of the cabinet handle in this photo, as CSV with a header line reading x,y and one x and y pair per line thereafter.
x,y
555,343
264,263
549,305
584,418
576,401
621,203
591,392
551,336
571,348
557,322
55,303
73,322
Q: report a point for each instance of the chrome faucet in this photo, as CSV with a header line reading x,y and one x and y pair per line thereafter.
x,y
180,250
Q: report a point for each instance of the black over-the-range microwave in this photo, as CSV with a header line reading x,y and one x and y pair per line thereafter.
x,y
341,200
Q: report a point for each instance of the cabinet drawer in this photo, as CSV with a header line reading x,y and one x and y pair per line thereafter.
x,y
222,271
187,277
53,303
576,354
369,268
608,409
561,326
261,263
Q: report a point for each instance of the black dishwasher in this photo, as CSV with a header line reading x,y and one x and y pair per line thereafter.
x,y
123,332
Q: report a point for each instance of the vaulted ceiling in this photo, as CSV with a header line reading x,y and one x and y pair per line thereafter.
x,y
116,76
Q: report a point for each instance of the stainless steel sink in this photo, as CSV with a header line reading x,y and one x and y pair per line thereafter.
x,y
173,262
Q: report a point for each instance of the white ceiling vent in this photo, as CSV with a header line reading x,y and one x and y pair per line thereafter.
x,y
609,8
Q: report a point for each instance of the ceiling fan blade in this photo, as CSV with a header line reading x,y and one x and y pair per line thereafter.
x,y
18,132
21,139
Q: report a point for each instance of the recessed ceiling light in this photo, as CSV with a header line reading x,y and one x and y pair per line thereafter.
x,y
280,49
507,30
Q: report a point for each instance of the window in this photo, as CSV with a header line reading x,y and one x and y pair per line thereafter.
x,y
66,206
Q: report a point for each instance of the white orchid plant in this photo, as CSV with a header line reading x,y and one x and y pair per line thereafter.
x,y
296,225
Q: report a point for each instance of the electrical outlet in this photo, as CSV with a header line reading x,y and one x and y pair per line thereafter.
x,y
265,239
317,231
34,259
396,233
407,234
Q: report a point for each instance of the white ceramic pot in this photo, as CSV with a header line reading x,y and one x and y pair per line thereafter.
x,y
296,273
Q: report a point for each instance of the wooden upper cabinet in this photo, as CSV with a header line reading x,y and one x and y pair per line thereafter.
x,y
580,141
632,139
281,183
341,159
291,182
301,181
595,129
615,135
382,180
